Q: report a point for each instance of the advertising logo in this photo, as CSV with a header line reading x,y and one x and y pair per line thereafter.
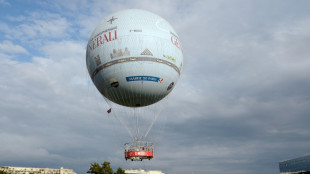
x,y
112,19
144,78
119,52
97,60
169,57
114,83
146,52
170,86
175,41
102,38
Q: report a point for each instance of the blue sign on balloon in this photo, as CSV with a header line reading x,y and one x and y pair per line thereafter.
x,y
144,78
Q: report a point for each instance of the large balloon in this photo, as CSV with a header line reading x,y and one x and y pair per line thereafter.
x,y
134,58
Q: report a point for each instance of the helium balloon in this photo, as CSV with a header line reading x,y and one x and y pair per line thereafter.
x,y
134,58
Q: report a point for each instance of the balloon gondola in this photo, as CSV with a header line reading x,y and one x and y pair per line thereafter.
x,y
139,150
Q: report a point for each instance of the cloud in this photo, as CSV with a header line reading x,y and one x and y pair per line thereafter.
x,y
31,150
35,27
39,110
9,47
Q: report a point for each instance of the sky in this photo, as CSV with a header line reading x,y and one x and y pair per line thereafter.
x,y
240,107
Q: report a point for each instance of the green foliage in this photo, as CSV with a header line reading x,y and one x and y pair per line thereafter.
x,y
104,168
304,172
120,171
3,172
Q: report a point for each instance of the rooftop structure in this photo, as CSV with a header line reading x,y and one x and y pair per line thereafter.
x,y
30,170
295,166
140,171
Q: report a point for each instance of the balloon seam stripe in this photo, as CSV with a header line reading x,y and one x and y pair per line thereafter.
x,y
133,59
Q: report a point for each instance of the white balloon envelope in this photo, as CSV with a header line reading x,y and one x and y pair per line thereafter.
x,y
134,58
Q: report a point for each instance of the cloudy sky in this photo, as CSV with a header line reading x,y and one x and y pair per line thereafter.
x,y
242,103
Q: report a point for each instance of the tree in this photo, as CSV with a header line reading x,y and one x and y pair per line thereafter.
x,y
104,168
120,171
304,172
